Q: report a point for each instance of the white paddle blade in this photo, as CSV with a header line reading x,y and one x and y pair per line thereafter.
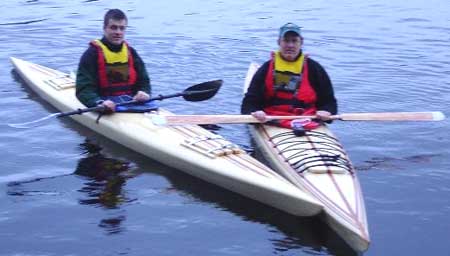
x,y
34,123
438,116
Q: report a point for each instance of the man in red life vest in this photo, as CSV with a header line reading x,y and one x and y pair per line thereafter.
x,y
110,68
290,83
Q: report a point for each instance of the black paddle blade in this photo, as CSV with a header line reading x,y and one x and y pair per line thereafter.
x,y
202,91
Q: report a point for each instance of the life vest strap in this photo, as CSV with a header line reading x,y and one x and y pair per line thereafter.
x,y
295,103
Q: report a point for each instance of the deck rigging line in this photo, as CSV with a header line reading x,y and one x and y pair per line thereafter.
x,y
327,151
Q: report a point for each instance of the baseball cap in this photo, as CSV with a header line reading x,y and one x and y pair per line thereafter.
x,y
289,27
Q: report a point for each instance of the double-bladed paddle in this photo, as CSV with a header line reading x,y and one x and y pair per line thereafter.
x,y
198,92
236,119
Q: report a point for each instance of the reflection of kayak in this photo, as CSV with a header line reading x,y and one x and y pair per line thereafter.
x,y
189,148
318,165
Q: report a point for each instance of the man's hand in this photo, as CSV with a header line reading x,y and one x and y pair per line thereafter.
x,y
323,115
110,106
141,96
260,115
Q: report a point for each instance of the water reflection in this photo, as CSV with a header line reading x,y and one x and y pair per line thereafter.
x,y
105,178
291,233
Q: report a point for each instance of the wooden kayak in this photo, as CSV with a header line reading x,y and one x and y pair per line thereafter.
x,y
317,164
191,148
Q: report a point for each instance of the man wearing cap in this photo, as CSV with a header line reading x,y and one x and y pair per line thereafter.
x,y
290,83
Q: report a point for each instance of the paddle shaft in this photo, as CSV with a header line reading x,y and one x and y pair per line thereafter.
x,y
236,119
198,92
102,108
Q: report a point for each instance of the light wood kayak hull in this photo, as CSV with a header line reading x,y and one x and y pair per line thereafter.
x,y
191,149
318,165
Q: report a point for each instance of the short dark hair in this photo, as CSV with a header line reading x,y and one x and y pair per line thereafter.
x,y
114,14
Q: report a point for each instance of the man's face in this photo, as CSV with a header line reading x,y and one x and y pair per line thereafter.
x,y
290,46
114,32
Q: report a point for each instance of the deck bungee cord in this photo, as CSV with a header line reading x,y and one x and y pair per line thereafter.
x,y
327,152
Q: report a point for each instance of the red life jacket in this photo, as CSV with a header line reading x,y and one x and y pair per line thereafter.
x,y
300,101
116,78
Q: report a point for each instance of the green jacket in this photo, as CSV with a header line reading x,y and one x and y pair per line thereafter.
x,y
87,85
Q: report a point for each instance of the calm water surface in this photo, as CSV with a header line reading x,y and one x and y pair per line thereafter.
x,y
65,190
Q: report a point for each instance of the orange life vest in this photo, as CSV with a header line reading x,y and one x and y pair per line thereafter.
x,y
288,93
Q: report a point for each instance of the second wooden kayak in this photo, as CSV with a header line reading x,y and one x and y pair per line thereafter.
x,y
317,164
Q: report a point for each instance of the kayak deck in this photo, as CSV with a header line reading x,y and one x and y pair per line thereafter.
x,y
317,164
